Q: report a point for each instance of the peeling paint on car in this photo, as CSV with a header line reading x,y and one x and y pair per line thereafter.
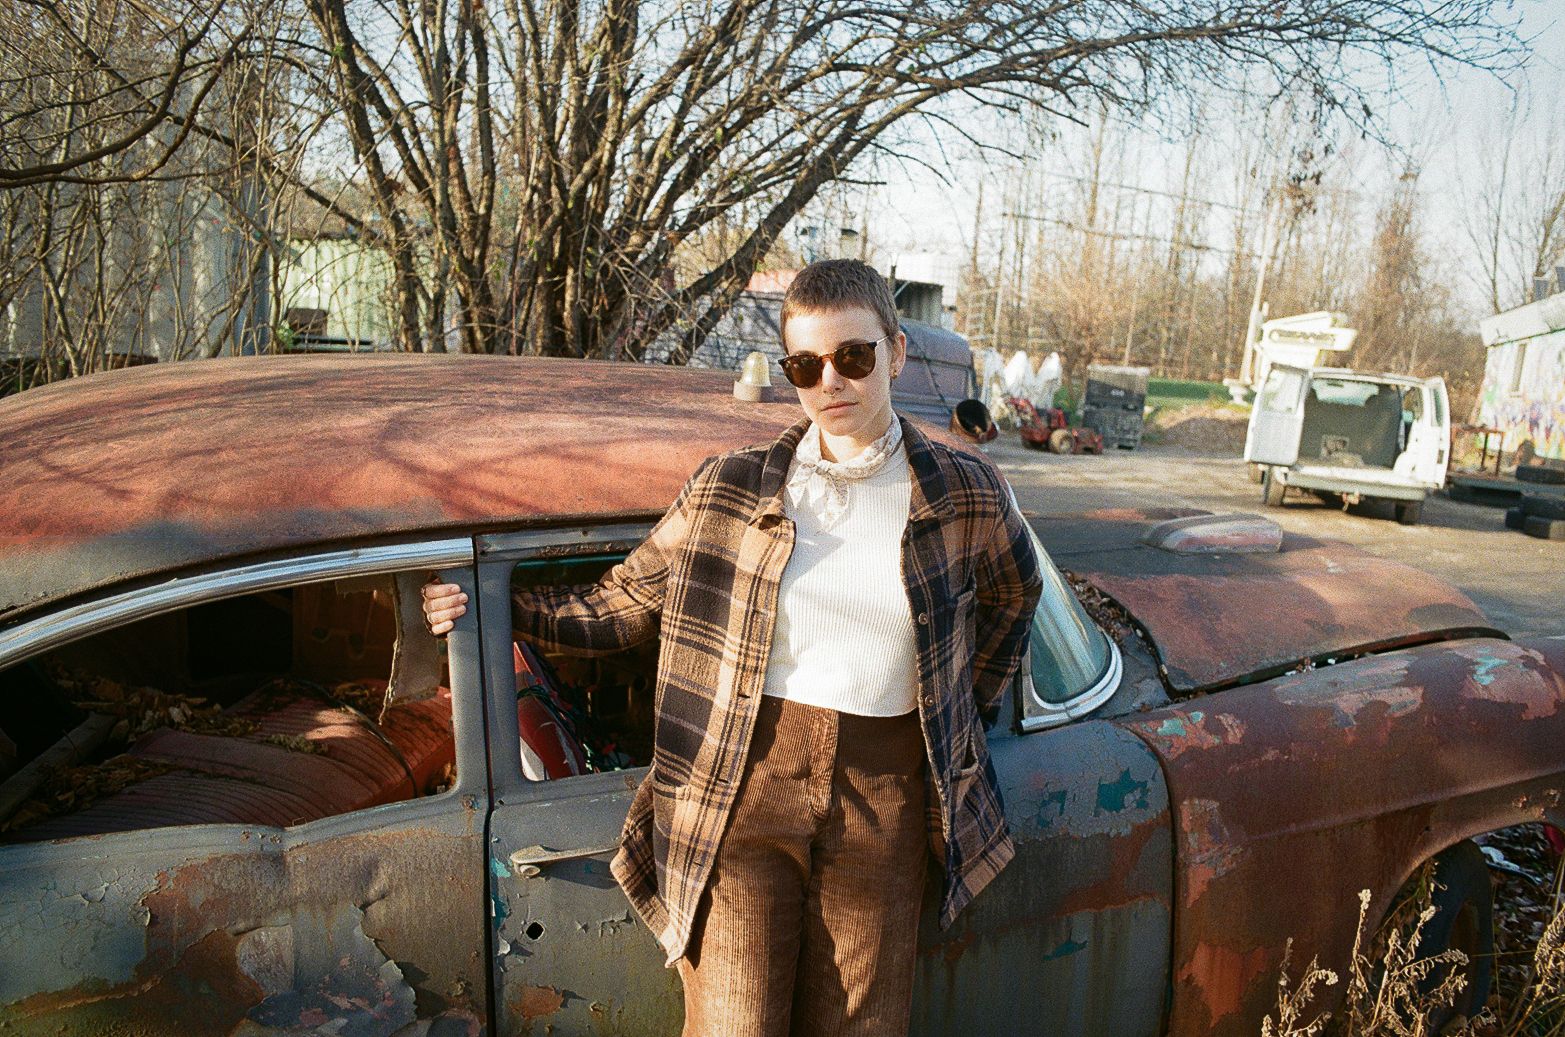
x,y
265,933
1114,795
1340,809
1087,897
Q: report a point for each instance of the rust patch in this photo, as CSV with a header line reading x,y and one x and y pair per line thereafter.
x,y
544,439
1370,768
371,930
1219,977
201,991
1246,617
534,1002
952,950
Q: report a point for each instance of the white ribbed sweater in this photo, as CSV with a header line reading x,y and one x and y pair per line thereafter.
x,y
844,637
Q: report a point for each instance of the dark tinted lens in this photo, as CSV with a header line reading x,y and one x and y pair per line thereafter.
x,y
855,359
802,369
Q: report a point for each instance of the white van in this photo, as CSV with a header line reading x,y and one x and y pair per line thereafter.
x,y
1338,431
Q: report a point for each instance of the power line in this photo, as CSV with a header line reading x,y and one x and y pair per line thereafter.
x,y
1316,189
1195,246
1149,190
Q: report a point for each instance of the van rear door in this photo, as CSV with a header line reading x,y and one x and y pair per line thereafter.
x,y
1277,417
1429,433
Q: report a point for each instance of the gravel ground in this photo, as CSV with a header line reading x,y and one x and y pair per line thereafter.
x,y
1516,579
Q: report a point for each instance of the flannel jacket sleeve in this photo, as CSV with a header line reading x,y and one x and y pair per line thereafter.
x,y
1008,588
623,609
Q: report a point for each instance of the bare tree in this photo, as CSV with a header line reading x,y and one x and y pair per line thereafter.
x,y
86,82
1515,219
144,146
584,177
1387,337
623,130
1537,226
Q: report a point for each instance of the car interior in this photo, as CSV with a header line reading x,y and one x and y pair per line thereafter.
x,y
581,715
288,706
1352,423
274,708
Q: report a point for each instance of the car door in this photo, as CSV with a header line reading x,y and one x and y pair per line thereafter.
x,y
1277,418
368,921
569,955
1429,437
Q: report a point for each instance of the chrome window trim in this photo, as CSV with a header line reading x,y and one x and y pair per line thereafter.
x,y
1041,714
49,631
1036,713
562,541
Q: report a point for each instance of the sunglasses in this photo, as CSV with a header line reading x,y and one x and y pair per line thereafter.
x,y
851,360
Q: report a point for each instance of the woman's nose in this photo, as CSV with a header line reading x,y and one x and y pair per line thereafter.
x,y
830,379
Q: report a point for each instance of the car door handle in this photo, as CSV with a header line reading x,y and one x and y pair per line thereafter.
x,y
530,861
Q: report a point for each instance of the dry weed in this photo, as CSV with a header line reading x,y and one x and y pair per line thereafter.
x,y
1291,1006
1394,992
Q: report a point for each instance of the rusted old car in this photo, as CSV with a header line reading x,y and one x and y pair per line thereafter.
x,y
244,791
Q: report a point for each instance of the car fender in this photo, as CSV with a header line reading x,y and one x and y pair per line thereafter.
x,y
1291,796
1078,922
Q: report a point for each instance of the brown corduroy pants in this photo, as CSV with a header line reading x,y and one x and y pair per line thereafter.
x,y
809,924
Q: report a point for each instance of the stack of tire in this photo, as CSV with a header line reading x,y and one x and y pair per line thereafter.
x,y
1540,514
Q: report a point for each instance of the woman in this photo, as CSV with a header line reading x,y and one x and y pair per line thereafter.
x,y
837,610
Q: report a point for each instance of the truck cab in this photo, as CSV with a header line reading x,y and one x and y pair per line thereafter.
x,y
1358,434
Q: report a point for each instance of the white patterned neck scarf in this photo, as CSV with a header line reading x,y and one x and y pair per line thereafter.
x,y
821,486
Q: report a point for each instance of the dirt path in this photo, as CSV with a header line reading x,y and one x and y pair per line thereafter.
x,y
1517,580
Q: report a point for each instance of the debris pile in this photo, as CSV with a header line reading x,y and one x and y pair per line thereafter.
x,y
1524,867
143,709
1108,614
1113,619
69,789
1207,428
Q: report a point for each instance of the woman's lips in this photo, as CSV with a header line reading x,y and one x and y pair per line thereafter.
x,y
838,406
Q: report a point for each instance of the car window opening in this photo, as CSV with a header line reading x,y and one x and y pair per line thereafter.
x,y
581,715
587,715
272,709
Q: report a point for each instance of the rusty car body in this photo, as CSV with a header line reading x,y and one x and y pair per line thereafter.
x,y
1245,730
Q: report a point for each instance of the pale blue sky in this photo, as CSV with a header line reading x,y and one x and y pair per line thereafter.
x,y
1443,124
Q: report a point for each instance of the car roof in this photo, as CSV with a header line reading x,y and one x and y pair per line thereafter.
x,y
137,473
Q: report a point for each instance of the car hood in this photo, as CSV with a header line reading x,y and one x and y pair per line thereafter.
x,y
1220,619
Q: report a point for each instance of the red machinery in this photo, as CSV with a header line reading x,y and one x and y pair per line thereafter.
x,y
1049,429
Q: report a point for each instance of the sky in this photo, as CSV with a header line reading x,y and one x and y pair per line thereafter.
x,y
1442,122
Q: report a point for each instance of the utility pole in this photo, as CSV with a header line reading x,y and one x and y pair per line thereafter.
x,y
1263,260
999,274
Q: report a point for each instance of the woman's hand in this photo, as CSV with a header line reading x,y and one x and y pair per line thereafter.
x,y
443,604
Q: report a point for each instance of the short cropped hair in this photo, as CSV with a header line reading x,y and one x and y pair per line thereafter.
x,y
839,284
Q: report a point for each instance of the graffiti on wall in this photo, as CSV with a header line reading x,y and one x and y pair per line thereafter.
x,y
1535,411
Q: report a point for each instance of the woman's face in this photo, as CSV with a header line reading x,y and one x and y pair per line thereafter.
x,y
855,410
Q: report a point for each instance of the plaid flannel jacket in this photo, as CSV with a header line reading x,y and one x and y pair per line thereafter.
x,y
706,581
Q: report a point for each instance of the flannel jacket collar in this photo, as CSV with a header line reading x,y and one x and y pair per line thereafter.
x,y
930,501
